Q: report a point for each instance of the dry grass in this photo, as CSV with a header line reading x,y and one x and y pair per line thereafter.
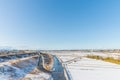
x,y
23,63
107,59
49,62
35,71
26,79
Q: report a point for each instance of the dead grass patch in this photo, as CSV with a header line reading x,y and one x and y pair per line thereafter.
x,y
35,71
23,63
107,59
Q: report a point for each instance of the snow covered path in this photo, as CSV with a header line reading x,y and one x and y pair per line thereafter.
x,y
90,69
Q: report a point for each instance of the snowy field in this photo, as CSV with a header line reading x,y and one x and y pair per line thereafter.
x,y
22,69
75,63
91,69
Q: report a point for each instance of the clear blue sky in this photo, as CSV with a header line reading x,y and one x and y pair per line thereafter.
x,y
60,24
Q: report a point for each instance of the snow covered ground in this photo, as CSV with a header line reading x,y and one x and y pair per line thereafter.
x,y
22,69
27,69
78,66
90,69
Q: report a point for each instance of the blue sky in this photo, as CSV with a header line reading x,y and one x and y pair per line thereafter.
x,y
60,24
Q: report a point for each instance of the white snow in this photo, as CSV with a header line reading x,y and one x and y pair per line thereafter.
x,y
90,69
79,69
39,76
11,72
